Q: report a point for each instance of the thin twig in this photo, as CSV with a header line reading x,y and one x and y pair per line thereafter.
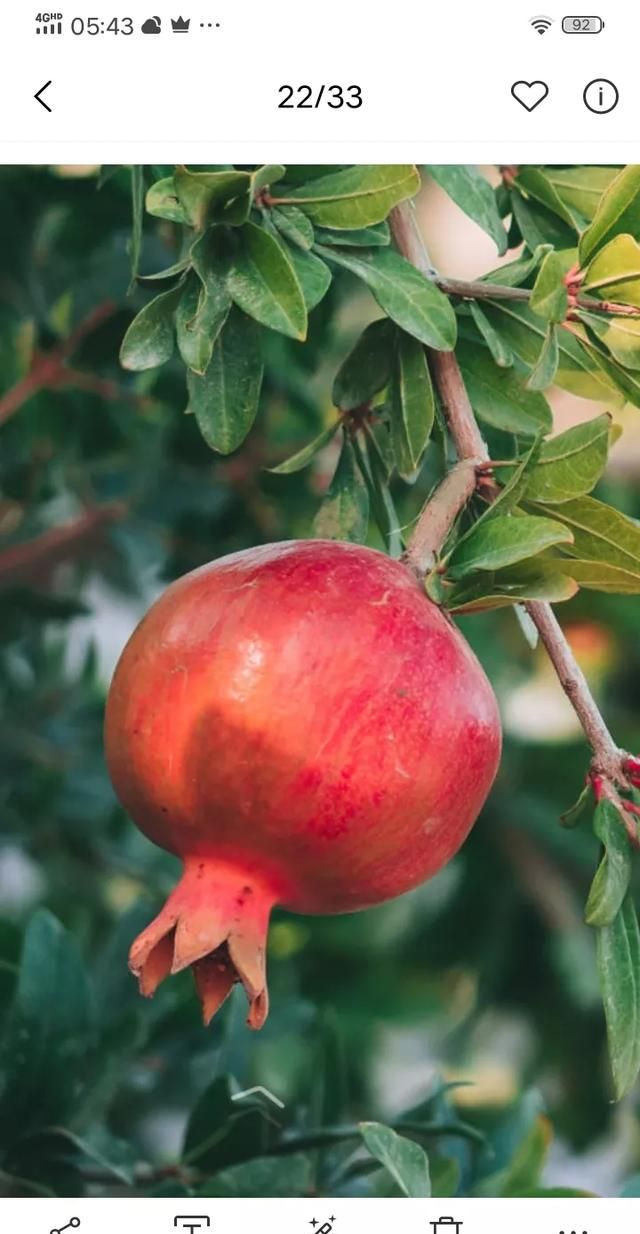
x,y
49,369
28,561
480,290
608,759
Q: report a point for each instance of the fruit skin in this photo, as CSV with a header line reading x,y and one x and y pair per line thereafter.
x,y
304,727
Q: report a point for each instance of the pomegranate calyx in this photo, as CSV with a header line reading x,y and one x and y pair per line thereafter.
x,y
215,922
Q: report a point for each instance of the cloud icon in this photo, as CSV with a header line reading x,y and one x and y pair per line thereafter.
x,y
152,26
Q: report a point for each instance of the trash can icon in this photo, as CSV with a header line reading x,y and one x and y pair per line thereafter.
x,y
446,1225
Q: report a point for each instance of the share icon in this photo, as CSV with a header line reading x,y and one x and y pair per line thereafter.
x,y
72,1224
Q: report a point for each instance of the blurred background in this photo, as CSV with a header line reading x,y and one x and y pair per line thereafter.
x,y
483,979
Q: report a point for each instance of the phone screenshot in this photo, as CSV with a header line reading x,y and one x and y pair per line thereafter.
x,y
319,616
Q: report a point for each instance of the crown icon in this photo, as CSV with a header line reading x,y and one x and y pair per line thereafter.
x,y
180,25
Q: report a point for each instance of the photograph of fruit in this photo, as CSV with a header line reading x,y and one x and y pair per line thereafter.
x,y
320,575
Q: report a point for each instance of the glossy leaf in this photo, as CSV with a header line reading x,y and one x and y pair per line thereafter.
x,y
357,196
313,275
213,196
202,312
344,512
544,372
410,299
504,540
501,353
536,183
376,236
471,191
600,533
137,209
262,281
614,273
262,1178
499,396
618,948
550,298
162,201
225,400
620,335
150,339
570,464
293,225
412,405
405,1161
613,875
581,188
618,214
367,368
534,580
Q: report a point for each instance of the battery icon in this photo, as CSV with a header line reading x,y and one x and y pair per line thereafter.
x,y
582,25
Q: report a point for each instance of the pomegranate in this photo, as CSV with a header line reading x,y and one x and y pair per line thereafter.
x,y
303,727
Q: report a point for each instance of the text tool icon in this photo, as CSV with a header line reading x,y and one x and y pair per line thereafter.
x,y
601,96
529,94
191,1222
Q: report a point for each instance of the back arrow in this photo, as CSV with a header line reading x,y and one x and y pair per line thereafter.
x,y
38,96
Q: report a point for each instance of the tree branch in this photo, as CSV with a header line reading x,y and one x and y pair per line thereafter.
x,y
608,759
478,290
24,562
49,368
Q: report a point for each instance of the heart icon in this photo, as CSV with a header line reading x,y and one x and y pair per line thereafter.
x,y
530,93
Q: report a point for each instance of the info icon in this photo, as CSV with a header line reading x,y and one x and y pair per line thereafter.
x,y
601,96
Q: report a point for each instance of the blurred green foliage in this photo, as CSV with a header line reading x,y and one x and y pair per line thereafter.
x,y
486,975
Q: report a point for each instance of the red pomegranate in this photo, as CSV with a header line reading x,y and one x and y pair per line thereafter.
x,y
303,727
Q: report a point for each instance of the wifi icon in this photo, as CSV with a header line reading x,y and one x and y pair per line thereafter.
x,y
541,24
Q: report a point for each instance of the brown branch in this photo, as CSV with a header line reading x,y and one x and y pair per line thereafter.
x,y
608,759
25,562
49,369
439,515
479,290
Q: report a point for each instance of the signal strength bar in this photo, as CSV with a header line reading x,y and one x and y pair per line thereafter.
x,y
53,28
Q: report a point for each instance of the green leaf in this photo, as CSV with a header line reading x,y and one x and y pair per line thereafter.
x,y
263,283
618,214
203,309
163,203
213,196
618,949
376,236
620,335
579,371
225,399
171,272
611,882
293,225
262,1178
498,395
375,475
538,225
501,353
517,273
137,209
550,298
313,276
413,405
614,273
535,182
600,533
48,1033
222,1133
572,816
534,580
405,1161
522,1176
544,373
471,191
570,464
357,196
149,341
600,576
263,177
581,188
344,513
367,368
405,295
303,457
503,541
